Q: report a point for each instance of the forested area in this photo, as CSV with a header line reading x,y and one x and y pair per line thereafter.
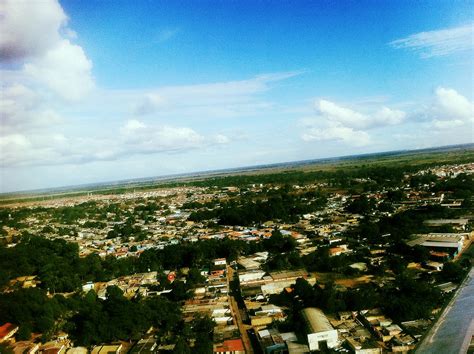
x,y
284,205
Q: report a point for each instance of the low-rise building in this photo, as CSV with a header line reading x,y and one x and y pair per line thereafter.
x,y
320,332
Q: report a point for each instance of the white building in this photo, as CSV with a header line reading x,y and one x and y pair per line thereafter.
x,y
319,330
254,275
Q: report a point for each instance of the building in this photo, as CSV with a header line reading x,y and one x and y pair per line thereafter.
x,y
7,331
107,349
320,332
231,346
451,243
459,224
245,277
144,345
26,347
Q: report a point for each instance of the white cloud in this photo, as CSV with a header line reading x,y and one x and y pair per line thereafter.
x,y
228,99
43,65
337,132
65,69
337,123
342,115
438,43
387,116
150,103
22,109
224,99
141,138
132,126
448,109
29,28
221,139
133,138
36,43
17,140
447,124
451,105
353,119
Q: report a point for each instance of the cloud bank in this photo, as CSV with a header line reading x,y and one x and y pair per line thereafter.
x,y
448,110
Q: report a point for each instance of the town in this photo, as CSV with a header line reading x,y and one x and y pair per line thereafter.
x,y
359,260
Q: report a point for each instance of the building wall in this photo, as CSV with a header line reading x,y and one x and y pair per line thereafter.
x,y
329,336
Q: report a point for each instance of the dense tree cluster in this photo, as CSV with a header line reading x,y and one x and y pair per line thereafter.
x,y
60,269
280,205
32,309
116,318
54,262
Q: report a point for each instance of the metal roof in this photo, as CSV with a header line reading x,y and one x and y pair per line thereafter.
x,y
316,320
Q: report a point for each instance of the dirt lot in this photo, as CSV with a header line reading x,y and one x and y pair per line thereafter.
x,y
341,279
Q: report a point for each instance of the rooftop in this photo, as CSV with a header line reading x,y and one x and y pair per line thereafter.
x,y
316,320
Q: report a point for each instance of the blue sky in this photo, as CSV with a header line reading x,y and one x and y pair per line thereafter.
x,y
100,91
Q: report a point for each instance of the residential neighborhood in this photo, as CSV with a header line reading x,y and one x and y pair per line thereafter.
x,y
317,277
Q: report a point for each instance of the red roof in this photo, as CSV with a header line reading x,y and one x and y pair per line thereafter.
x,y
231,345
6,329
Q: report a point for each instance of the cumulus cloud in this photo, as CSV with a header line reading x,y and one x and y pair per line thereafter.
x,y
65,69
29,28
36,42
142,138
453,106
134,137
46,71
353,119
440,42
448,109
334,122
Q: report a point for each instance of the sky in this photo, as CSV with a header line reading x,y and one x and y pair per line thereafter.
x,y
96,91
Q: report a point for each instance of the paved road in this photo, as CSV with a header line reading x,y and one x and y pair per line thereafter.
x,y
455,327
237,315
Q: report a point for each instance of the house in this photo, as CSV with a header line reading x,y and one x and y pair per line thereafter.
x,y
144,345
25,347
52,348
230,346
7,331
107,349
220,262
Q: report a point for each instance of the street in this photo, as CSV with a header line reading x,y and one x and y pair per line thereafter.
x,y
237,314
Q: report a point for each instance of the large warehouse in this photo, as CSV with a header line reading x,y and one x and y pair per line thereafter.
x,y
446,242
320,332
